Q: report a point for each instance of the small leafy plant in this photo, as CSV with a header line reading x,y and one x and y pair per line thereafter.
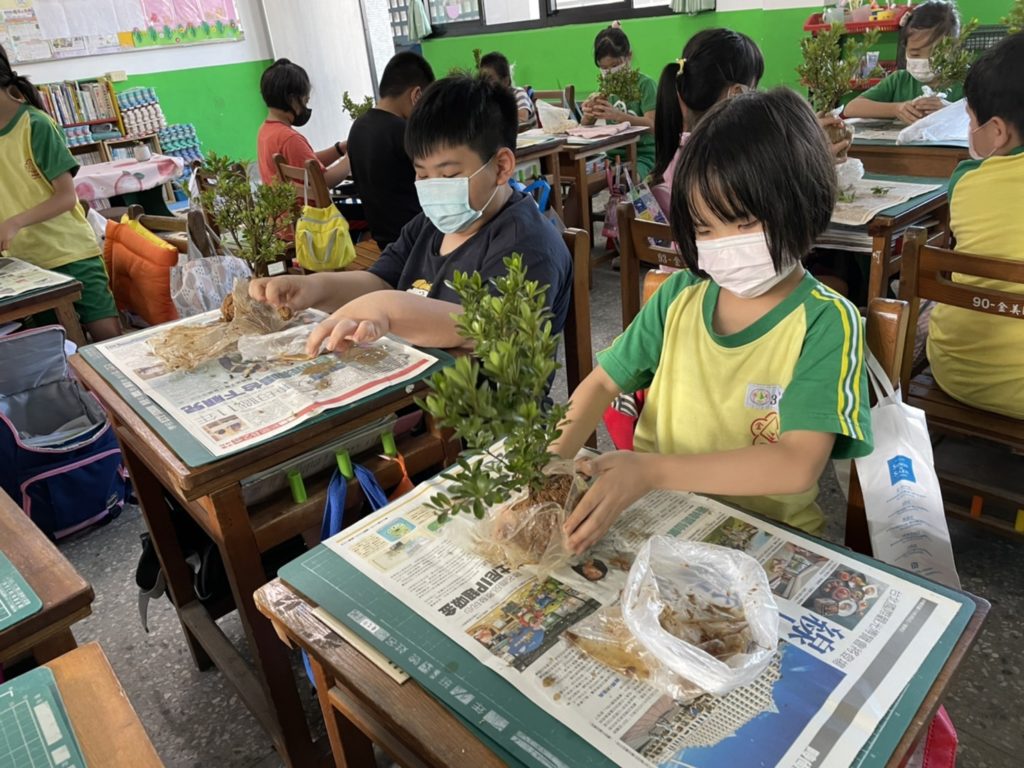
x,y
355,111
880,191
830,70
477,55
1014,20
951,60
251,216
623,85
497,391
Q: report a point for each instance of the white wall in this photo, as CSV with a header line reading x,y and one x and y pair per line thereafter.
x,y
255,47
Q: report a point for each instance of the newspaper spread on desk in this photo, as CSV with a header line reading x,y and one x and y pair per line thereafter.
x,y
869,197
851,636
228,403
18,277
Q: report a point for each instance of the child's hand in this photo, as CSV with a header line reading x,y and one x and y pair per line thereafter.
x,y
8,230
358,322
908,112
620,478
604,111
840,146
297,292
928,104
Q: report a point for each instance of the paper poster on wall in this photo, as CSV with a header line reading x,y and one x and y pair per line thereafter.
x,y
36,30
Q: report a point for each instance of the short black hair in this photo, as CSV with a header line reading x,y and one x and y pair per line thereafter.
x,y
938,17
991,88
405,70
498,64
463,111
611,41
282,82
714,59
757,155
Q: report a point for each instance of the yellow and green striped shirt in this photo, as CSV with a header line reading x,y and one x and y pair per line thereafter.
x,y
800,367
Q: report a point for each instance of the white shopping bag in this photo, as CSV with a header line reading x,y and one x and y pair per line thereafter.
x,y
902,498
200,282
950,123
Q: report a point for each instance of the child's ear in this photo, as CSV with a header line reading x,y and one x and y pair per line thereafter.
x,y
1006,137
505,163
414,94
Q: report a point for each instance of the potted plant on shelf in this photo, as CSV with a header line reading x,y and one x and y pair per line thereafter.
x,y
496,392
951,60
251,216
355,111
829,72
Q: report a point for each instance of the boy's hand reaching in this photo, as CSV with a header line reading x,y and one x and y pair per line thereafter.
x,y
620,478
358,322
297,292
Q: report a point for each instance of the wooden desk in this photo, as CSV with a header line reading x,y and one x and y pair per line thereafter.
x,y
65,595
546,153
60,298
212,496
105,723
908,159
361,704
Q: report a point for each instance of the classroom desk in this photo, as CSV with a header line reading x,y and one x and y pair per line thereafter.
x,y
60,298
362,704
105,723
546,153
890,159
65,595
212,495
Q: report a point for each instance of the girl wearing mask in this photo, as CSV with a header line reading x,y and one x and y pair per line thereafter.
x,y
285,89
901,95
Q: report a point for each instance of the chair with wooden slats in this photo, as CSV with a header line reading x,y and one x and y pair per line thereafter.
x,y
636,248
579,358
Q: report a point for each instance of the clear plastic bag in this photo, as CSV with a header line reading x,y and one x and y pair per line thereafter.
x,y
705,612
950,123
289,344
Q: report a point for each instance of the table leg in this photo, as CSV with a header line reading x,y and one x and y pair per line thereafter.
x,y
54,646
168,549
553,168
349,745
244,570
583,201
67,317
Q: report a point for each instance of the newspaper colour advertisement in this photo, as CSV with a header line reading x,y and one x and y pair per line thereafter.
x,y
228,403
850,636
18,277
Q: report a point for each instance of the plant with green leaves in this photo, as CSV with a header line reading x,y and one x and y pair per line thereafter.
x,y
250,215
497,391
477,55
951,60
355,111
1014,20
621,85
830,69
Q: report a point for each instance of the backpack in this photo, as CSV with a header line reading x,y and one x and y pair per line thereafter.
x,y
59,458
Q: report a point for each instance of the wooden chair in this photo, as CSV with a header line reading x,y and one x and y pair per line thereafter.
x,y
635,248
886,331
927,275
579,359
564,97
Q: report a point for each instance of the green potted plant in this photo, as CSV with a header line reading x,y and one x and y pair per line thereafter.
x,y
355,111
1014,20
950,59
496,392
829,71
251,216
621,85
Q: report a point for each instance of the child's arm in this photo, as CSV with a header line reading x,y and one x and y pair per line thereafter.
x,y
332,154
338,172
904,111
586,406
417,319
62,200
327,291
791,465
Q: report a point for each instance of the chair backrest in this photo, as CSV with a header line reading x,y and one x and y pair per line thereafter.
x,y
638,245
579,360
310,177
927,273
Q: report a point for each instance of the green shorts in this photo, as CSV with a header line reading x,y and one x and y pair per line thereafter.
x,y
96,303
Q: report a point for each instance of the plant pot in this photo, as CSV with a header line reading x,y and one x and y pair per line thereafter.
x,y
836,134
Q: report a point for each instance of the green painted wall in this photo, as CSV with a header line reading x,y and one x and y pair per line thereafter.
x,y
223,102
551,57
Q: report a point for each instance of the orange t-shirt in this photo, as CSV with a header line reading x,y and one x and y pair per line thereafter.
x,y
276,138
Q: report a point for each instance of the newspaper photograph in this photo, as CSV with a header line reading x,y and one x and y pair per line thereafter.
x,y
868,197
850,637
233,402
18,277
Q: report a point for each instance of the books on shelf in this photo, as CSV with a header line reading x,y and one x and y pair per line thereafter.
x,y
77,102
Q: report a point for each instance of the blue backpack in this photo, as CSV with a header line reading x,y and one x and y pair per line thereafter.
x,y
59,458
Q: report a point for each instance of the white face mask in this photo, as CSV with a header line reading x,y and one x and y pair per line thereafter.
x,y
446,202
972,148
741,264
920,70
616,68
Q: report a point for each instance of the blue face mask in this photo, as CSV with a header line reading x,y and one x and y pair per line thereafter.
x,y
446,202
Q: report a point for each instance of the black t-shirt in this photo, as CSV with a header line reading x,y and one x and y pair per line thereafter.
x,y
413,262
383,173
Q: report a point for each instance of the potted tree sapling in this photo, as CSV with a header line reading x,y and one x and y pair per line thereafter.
x,y
356,110
950,60
829,72
623,85
250,215
496,392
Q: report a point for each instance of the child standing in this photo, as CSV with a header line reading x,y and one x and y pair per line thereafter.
x,y
976,357
495,66
612,53
901,94
41,221
755,370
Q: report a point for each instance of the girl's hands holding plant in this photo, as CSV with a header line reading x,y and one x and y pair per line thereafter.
x,y
908,112
620,478
603,110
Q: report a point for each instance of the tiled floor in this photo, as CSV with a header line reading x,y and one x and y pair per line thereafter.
x,y
197,721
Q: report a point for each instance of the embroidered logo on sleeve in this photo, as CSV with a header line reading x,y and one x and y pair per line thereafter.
x,y
763,397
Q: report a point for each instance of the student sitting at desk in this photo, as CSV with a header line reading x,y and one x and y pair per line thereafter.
x,y
900,96
975,357
285,88
383,171
495,66
462,139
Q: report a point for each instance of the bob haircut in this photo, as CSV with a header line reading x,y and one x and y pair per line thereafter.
x,y
459,111
282,82
756,156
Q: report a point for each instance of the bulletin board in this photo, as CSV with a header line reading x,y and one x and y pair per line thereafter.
x,y
41,30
